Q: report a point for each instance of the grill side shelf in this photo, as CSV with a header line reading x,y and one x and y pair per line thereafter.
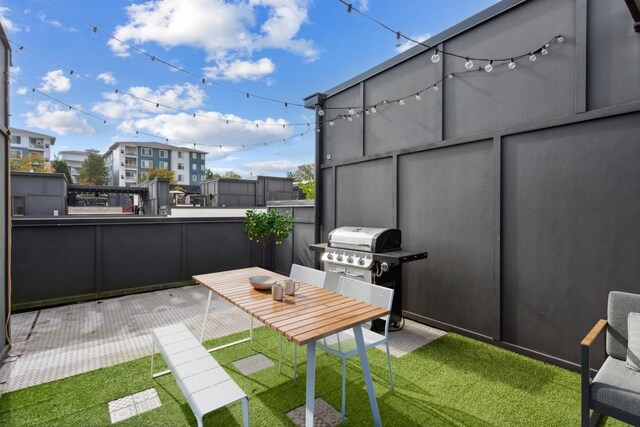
x,y
399,257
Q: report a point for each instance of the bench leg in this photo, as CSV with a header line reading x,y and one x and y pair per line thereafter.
x,y
245,411
206,315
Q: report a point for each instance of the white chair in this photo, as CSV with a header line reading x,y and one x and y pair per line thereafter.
x,y
310,276
343,344
301,274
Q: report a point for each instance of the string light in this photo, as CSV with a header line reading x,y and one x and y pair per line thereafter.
x,y
532,57
435,58
489,67
511,64
351,111
135,131
374,109
435,87
321,112
133,95
469,64
545,49
417,96
158,59
331,123
560,38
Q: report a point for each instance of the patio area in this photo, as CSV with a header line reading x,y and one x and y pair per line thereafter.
x,y
73,364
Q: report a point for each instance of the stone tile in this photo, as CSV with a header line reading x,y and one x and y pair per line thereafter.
x,y
122,414
297,416
116,405
252,364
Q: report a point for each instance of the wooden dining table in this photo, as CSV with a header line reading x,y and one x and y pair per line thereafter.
x,y
312,314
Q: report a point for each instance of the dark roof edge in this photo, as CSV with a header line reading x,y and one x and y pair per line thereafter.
x,y
469,23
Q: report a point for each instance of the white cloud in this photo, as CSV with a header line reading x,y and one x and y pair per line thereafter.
x,y
409,44
227,31
22,91
107,77
123,106
15,70
363,5
7,23
55,81
238,69
53,22
267,167
231,158
49,116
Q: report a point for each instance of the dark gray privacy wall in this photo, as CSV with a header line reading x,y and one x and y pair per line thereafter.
x,y
88,258
295,249
43,193
5,214
521,184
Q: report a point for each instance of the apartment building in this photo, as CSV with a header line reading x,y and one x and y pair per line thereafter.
x,y
126,161
74,160
25,142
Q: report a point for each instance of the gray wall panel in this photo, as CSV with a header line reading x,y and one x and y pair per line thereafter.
x,y
343,130
446,208
571,227
396,127
216,247
131,255
364,194
328,204
613,55
53,262
480,102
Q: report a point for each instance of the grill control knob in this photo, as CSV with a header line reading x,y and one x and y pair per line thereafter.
x,y
361,261
350,260
339,258
329,256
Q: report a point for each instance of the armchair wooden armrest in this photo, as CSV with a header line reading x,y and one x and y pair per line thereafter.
x,y
593,333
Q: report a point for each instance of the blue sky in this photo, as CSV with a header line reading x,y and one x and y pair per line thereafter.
x,y
282,49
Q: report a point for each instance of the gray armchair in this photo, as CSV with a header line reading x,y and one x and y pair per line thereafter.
x,y
615,390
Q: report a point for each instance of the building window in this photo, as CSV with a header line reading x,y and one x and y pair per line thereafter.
x,y
130,175
194,178
201,177
194,167
36,142
146,164
202,168
163,154
194,155
180,177
163,165
180,166
17,139
146,151
180,154
18,205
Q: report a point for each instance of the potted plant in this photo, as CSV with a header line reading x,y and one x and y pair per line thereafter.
x,y
266,227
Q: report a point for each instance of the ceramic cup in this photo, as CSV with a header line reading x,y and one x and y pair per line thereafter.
x,y
277,291
290,287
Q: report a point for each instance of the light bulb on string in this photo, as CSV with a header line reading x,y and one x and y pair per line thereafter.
x,y
318,130
469,64
350,118
374,109
436,88
398,43
401,102
489,67
435,58
385,101
321,112
367,112
331,123
545,49
450,76
357,115
417,97
560,38
351,111
532,57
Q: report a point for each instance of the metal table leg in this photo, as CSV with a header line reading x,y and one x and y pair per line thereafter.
x,y
366,372
311,384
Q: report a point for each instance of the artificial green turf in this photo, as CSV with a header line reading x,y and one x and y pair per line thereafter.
x,y
452,381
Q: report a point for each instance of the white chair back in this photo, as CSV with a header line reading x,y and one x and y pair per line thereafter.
x,y
368,292
308,275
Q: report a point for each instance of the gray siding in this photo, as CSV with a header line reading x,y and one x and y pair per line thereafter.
x,y
42,193
521,184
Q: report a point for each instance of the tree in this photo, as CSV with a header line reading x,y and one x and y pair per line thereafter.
x,y
209,175
305,177
266,227
306,172
158,173
60,166
32,162
93,171
231,175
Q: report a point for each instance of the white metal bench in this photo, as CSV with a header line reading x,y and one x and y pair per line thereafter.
x,y
202,380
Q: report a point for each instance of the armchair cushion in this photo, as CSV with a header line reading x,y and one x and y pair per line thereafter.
x,y
617,386
633,351
618,309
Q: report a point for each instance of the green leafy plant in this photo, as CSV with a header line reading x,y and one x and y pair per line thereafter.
x,y
266,227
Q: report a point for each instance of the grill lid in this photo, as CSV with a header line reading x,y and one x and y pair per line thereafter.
x,y
366,239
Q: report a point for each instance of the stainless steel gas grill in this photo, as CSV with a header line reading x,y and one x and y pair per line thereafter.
x,y
372,255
